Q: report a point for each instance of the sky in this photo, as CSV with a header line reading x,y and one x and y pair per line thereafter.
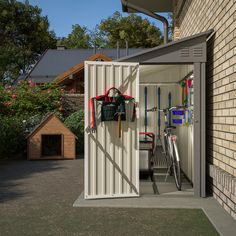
x,y
62,14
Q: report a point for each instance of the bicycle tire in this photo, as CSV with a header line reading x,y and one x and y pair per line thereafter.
x,y
168,155
176,168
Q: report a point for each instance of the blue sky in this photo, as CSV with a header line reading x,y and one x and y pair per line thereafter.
x,y
62,14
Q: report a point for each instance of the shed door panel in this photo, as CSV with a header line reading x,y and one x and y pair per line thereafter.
x,y
111,163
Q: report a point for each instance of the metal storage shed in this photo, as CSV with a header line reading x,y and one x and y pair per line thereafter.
x,y
111,164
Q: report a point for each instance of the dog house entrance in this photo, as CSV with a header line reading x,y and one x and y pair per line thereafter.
x,y
51,145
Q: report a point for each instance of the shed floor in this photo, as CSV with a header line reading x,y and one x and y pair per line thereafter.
x,y
161,185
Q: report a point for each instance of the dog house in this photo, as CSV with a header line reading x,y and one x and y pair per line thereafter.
x,y
112,152
51,140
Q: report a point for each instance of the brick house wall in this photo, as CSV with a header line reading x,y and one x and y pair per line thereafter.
x,y
191,17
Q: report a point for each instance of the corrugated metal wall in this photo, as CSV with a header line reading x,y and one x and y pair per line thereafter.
x,y
111,163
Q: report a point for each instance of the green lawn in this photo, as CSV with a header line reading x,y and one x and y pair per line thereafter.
x,y
60,219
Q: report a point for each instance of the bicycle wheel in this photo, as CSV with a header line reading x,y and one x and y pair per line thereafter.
x,y
176,166
167,154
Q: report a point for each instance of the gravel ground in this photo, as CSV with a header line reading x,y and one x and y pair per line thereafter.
x,y
36,198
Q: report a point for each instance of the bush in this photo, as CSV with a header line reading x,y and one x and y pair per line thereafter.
x,y
12,137
21,108
29,99
75,122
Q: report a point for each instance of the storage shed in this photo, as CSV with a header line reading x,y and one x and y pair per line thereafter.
x,y
51,140
112,160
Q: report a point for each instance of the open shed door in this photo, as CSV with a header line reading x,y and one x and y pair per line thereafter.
x,y
111,163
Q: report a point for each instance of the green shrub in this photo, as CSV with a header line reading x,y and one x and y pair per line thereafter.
x,y
28,99
75,122
22,107
12,137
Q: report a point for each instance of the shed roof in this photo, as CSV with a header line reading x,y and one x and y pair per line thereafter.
x,y
186,50
47,117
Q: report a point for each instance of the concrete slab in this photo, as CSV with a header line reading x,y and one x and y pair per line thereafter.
x,y
222,221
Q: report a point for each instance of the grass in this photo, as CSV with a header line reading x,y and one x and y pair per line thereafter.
x,y
60,219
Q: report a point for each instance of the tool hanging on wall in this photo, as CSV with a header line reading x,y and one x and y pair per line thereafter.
x,y
112,108
186,103
159,115
145,107
169,104
148,143
189,84
187,92
183,84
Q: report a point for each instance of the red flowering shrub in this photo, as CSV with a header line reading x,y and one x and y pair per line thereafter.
x,y
21,108
26,99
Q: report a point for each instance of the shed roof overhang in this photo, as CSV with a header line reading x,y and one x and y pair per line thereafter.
x,y
151,5
187,50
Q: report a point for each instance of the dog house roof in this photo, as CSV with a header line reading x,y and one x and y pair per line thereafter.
x,y
44,121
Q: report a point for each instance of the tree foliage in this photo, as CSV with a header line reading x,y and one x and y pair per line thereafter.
x,y
24,35
137,31
78,38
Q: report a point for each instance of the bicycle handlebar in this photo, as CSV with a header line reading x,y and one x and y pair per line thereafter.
x,y
166,109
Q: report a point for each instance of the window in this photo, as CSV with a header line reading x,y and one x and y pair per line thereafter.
x,y
52,145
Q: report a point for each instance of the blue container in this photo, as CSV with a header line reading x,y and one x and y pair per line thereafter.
x,y
177,121
178,112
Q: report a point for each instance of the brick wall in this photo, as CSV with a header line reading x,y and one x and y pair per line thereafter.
x,y
194,16
73,102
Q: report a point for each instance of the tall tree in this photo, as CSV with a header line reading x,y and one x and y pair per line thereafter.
x,y
78,38
24,35
97,37
137,31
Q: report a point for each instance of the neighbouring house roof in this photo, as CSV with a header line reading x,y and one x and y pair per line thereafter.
x,y
77,68
151,5
54,62
47,117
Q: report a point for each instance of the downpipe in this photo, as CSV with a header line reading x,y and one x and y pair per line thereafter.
x,y
151,14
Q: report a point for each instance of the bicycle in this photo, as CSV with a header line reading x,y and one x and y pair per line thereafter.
x,y
170,146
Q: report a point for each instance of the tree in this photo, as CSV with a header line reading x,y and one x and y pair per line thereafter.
x,y
78,38
137,31
97,37
171,25
24,35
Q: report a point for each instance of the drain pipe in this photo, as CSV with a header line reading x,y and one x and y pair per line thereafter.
x,y
132,6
